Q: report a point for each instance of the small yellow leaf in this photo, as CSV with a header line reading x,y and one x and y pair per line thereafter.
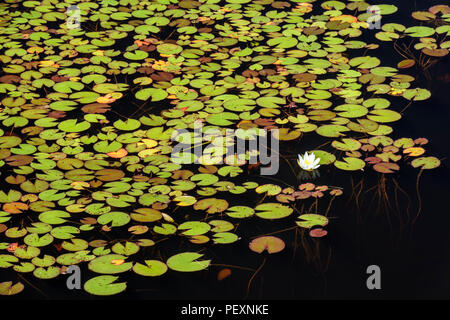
x,y
117,262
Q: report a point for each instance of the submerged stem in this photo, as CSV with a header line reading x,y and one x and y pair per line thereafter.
x,y
231,266
279,231
254,275
32,285
419,198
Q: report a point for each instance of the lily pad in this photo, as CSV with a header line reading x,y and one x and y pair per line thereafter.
x,y
270,243
105,264
152,268
312,220
426,163
104,286
350,164
8,289
273,211
187,262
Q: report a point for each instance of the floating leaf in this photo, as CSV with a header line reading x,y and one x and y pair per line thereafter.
x,y
225,237
318,233
152,268
270,243
128,248
115,218
269,189
407,63
224,273
386,167
194,228
419,31
8,289
211,205
152,94
272,211
240,212
426,163
350,164
384,116
104,286
104,264
312,220
187,262
91,121
417,94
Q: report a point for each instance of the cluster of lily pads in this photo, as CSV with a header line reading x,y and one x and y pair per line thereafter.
x,y
75,169
431,34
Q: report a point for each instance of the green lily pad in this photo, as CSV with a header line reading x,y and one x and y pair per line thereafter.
x,y
417,94
211,205
312,220
418,32
115,218
426,163
50,272
350,164
72,125
194,228
8,289
129,248
106,264
240,212
152,94
225,237
7,260
187,262
152,268
272,211
325,157
104,286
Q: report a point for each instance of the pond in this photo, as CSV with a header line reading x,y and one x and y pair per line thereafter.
x,y
120,176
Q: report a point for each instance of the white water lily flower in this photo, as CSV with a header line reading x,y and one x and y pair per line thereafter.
x,y
308,162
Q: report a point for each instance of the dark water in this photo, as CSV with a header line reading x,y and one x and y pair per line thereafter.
x,y
414,262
